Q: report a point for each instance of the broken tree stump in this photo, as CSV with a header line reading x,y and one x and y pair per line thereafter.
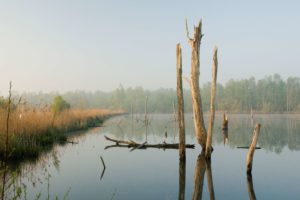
x,y
225,122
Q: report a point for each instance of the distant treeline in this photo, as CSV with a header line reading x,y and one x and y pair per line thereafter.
x,y
271,94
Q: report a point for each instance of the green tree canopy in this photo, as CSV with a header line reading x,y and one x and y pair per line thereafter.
x,y
59,104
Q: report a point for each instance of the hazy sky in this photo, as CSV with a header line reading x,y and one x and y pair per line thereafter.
x,y
61,45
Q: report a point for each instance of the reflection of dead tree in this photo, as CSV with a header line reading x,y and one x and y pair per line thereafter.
x,y
250,187
210,179
225,136
104,167
202,165
182,167
199,177
135,145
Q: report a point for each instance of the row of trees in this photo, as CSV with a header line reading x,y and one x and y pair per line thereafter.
x,y
270,94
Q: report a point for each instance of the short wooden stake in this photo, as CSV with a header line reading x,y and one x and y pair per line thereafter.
x,y
225,122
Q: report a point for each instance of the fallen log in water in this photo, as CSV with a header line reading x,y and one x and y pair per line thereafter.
x,y
135,145
247,147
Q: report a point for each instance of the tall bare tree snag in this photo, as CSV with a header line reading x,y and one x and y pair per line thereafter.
x,y
208,149
195,42
180,113
252,148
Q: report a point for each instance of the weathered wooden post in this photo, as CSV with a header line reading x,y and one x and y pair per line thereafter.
x,y
208,149
252,148
180,112
195,42
225,122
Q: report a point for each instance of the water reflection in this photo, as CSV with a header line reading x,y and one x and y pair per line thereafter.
x,y
203,166
199,177
17,178
209,180
182,172
225,136
278,131
3,171
250,187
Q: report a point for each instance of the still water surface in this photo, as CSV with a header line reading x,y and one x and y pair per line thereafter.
x,y
75,169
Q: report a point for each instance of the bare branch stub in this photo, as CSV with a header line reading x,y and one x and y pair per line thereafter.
x,y
187,30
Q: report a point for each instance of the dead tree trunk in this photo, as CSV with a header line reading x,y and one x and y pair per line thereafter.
x,y
180,112
252,148
225,122
208,149
200,130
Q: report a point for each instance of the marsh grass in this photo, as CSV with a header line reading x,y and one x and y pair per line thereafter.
x,y
32,130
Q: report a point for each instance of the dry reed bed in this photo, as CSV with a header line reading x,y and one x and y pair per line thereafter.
x,y
32,129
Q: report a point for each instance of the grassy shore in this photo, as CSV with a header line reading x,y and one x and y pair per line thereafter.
x,y
33,130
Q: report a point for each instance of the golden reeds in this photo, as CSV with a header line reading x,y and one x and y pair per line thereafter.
x,y
32,128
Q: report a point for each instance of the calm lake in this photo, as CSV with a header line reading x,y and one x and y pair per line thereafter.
x,y
76,170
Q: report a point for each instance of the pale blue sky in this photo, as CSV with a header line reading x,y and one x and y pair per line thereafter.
x,y
65,45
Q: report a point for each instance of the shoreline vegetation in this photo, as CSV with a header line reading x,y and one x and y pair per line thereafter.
x,y
33,130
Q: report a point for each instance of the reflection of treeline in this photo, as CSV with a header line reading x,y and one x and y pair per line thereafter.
x,y
271,94
277,132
